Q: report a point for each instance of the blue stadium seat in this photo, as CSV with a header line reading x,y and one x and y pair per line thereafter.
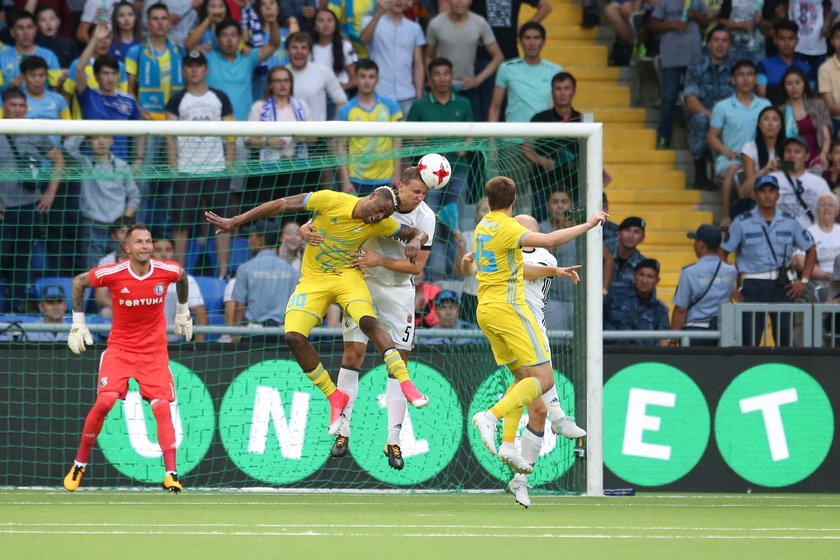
x,y
217,320
38,258
213,291
193,257
239,253
65,282
99,320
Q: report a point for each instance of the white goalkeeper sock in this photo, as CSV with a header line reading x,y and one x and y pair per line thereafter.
x,y
552,404
397,405
348,382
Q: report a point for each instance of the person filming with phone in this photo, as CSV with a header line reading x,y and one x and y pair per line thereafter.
x,y
798,189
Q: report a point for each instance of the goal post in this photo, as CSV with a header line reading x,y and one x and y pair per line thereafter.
x,y
493,149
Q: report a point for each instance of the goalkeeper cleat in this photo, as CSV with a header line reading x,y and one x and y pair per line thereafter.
x,y
338,401
510,457
566,426
414,397
487,429
340,447
519,489
73,478
394,454
172,483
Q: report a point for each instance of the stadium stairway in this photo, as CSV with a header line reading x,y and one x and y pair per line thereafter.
x,y
646,182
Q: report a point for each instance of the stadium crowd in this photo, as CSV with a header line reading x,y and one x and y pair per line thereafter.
x,y
747,73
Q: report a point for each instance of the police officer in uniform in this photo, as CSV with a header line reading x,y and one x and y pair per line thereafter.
x,y
763,241
631,232
703,286
637,308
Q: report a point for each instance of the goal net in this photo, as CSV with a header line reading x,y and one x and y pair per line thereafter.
x,y
245,414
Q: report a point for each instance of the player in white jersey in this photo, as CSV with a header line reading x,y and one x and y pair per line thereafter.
x,y
390,279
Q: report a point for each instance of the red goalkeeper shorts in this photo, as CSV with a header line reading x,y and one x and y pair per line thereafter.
x,y
151,370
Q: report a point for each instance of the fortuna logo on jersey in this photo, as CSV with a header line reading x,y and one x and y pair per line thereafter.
x,y
142,301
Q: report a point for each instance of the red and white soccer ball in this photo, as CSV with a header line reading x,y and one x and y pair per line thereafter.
x,y
434,170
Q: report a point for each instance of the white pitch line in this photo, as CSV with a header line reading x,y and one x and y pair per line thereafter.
x,y
610,504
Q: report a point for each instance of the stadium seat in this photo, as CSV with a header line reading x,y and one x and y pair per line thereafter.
x,y
239,253
99,320
38,258
193,257
65,282
213,291
217,320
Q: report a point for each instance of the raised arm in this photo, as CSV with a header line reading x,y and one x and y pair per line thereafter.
x,y
99,34
270,20
294,203
561,236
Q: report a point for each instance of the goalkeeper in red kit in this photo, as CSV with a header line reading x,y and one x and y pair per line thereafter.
x,y
137,345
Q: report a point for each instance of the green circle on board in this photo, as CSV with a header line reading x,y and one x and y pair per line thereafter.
x,y
774,425
557,454
129,435
273,423
429,438
656,424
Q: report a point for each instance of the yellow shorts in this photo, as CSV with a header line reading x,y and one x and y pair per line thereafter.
x,y
515,336
308,304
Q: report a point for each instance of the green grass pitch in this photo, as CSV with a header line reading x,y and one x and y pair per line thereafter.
x,y
243,525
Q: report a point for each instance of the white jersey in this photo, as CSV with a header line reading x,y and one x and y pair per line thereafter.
x,y
536,291
422,218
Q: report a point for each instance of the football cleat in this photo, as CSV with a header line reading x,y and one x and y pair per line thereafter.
x,y
487,429
73,478
510,457
519,489
394,455
338,400
340,447
566,426
172,483
414,397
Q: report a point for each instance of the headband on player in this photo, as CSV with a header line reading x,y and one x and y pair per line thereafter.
x,y
393,194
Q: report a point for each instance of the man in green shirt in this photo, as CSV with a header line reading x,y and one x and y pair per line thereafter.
x,y
444,105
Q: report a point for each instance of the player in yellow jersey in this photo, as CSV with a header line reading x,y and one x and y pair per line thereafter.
x,y
328,276
503,315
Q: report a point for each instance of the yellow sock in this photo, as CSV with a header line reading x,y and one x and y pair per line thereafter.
x,y
396,365
523,393
321,379
510,424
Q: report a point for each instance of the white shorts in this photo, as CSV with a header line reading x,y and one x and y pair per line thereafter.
x,y
395,310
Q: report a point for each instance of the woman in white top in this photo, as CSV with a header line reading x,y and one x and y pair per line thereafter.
x,y
281,158
332,50
826,234
760,156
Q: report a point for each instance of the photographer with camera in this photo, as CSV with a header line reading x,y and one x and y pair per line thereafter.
x,y
798,189
763,240
22,200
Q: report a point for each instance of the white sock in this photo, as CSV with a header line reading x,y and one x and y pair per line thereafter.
x,y
348,382
397,405
80,465
552,403
531,445
171,472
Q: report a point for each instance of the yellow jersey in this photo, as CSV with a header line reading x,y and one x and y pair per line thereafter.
x,y
498,259
343,234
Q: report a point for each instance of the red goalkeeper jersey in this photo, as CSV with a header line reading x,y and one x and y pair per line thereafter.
x,y
138,324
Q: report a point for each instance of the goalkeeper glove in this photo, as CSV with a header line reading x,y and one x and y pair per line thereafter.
x,y
79,334
183,321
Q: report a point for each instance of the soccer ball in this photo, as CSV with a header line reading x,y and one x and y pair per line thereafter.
x,y
434,170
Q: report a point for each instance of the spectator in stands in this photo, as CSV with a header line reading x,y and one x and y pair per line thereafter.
x,y
62,15
351,13
762,264
771,69
637,308
68,88
807,116
291,245
826,234
829,77
814,18
332,50
761,155
503,18
680,47
106,102
706,83
798,189
256,34
117,233
631,232
733,124
197,156
618,14
23,30
264,283
456,35
164,249
184,18
23,202
41,102
278,106
527,82
395,44
425,295
772,12
125,29
610,228
448,310
96,11
210,14
743,18
51,34
315,82
703,286
53,308
107,192
559,310
832,174
363,178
